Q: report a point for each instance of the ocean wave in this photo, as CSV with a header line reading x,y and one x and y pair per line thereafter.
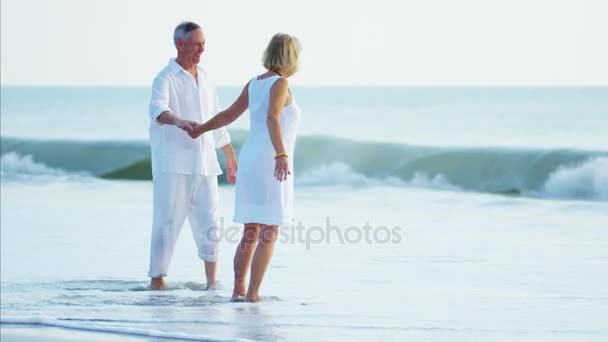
x,y
341,174
93,157
14,163
330,161
14,166
585,180
100,328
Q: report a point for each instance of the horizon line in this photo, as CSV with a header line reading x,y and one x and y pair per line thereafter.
x,y
463,85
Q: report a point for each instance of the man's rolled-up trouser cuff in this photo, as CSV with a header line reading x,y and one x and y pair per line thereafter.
x,y
209,257
156,275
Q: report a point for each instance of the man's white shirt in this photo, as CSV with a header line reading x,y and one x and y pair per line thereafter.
x,y
173,150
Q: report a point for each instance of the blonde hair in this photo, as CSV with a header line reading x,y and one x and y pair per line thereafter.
x,y
282,54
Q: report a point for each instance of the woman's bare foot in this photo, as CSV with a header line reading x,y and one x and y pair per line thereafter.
x,y
157,284
239,293
237,299
252,298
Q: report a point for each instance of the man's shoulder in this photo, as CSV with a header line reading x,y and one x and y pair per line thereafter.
x,y
165,72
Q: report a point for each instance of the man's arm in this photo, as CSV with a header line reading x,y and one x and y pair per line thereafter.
x,y
170,119
231,164
159,106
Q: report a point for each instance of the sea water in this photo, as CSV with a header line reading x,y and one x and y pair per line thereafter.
x,y
421,213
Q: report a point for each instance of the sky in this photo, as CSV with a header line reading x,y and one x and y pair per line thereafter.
x,y
346,43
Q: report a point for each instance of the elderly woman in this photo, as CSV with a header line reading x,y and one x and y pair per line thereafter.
x,y
264,189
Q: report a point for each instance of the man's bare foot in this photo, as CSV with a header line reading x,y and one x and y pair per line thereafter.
x,y
157,284
252,298
213,285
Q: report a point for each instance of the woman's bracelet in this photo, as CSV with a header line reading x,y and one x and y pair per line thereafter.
x,y
281,155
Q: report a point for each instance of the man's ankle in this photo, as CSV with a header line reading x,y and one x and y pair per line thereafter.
x,y
157,283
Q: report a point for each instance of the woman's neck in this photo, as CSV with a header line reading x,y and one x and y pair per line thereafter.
x,y
275,73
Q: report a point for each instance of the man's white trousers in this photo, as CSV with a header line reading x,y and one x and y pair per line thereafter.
x,y
177,197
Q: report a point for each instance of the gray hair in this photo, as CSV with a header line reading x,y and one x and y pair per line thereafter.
x,y
183,30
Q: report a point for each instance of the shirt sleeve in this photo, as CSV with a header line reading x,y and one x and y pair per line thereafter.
x,y
221,137
159,101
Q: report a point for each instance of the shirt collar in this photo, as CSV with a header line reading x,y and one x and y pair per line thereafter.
x,y
175,68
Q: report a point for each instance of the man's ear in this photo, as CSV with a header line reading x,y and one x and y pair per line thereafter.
x,y
180,45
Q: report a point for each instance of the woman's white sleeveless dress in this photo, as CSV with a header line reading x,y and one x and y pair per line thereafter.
x,y
260,197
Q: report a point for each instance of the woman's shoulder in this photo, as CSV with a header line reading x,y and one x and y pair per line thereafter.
x,y
280,83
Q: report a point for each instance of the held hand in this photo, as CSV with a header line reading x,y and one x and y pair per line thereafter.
x,y
193,123
231,167
186,126
281,168
197,131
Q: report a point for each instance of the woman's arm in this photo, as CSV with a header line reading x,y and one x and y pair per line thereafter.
x,y
225,117
279,94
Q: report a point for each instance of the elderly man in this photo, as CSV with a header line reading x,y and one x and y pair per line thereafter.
x,y
185,170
